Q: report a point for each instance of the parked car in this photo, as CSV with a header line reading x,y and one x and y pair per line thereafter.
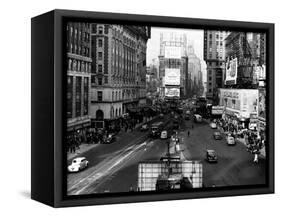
x,y
230,140
110,138
78,164
144,127
213,125
217,135
164,134
211,156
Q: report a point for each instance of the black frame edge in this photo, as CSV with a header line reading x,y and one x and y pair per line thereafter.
x,y
42,145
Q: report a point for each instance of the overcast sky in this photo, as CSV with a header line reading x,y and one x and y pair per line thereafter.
x,y
195,37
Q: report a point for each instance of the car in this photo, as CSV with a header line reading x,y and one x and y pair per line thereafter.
x,y
164,134
78,164
110,138
211,156
213,125
161,115
230,140
217,135
197,118
144,127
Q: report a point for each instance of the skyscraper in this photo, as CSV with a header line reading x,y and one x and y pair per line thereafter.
x,y
214,55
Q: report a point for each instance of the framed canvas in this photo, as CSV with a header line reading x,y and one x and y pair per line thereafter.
x,y
134,108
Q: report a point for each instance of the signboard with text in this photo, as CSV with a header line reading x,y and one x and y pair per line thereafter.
x,y
172,92
231,71
172,76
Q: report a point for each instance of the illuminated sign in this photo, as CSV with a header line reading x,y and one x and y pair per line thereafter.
x,y
172,92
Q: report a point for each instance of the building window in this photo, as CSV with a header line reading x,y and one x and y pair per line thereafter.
x,y
86,95
99,81
100,96
100,30
99,42
106,80
78,96
99,55
100,68
93,80
210,78
69,96
210,36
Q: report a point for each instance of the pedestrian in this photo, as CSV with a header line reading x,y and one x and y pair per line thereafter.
x,y
192,126
188,133
256,158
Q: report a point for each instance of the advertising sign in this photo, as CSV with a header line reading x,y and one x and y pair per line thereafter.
x,y
261,104
172,77
231,71
172,52
217,110
172,92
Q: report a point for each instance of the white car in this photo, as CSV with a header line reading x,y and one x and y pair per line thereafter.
x,y
164,134
230,140
78,164
213,125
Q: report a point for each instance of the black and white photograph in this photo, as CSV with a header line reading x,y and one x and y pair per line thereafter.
x,y
158,109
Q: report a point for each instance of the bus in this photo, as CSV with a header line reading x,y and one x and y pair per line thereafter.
x,y
156,129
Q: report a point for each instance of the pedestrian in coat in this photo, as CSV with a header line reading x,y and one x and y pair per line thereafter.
x,y
188,133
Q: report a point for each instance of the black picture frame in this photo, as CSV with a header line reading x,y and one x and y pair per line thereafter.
x,y
47,162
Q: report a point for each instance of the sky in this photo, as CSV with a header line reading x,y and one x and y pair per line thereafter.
x,y
195,37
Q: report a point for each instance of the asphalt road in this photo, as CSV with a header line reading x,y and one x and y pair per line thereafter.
x,y
114,167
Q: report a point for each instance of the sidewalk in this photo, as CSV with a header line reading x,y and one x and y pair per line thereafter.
x,y
83,148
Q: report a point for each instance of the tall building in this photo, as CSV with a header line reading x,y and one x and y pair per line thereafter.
x,y
248,50
172,65
118,76
78,77
214,56
194,73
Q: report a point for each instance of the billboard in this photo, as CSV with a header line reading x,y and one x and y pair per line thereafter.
x,y
231,71
172,76
261,104
172,92
172,52
217,110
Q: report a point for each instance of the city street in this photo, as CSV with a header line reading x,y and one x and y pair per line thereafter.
x,y
114,167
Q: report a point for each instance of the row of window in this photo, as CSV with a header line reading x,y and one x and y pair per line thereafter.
x,y
81,102
78,49
79,65
118,95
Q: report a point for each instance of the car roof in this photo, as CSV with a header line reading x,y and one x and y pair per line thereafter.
x,y
211,151
79,158
217,133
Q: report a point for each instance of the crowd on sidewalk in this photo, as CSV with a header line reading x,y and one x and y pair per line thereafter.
x,y
98,135
253,139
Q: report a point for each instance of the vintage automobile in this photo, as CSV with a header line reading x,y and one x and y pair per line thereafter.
x,y
109,139
213,125
164,134
217,135
78,164
230,140
144,127
211,156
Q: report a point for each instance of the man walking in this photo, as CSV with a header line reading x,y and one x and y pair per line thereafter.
x,y
188,133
